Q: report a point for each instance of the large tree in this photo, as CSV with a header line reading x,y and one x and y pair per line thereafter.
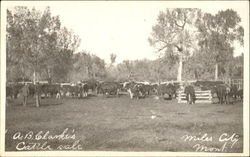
x,y
174,34
36,43
217,36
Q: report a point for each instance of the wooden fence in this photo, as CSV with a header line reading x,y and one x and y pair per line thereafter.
x,y
237,82
201,97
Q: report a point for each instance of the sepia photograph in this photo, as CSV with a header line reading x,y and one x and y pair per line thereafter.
x,y
122,78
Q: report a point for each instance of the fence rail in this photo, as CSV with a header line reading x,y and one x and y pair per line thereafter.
x,y
201,97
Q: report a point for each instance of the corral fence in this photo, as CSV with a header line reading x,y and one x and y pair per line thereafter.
x,y
205,96
201,96
237,82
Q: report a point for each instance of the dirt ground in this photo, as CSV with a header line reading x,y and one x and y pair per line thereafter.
x,y
121,124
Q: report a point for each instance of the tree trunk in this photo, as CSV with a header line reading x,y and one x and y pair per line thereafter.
x,y
216,72
179,70
34,76
49,75
37,100
23,72
36,93
87,71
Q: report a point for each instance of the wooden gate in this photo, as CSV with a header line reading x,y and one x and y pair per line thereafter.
x,y
201,97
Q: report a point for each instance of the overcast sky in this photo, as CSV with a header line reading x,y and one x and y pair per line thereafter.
x,y
123,28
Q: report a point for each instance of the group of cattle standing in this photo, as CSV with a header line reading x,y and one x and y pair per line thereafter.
x,y
135,90
82,89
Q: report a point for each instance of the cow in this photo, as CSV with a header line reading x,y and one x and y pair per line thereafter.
x,y
9,91
74,90
85,86
90,85
67,89
135,90
31,90
239,94
223,93
16,89
161,89
169,89
50,90
190,94
146,89
109,88
82,90
233,91
154,88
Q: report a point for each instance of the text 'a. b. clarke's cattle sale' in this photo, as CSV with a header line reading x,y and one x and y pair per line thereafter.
x,y
204,142
46,141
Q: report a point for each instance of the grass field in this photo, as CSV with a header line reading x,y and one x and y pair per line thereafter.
x,y
121,124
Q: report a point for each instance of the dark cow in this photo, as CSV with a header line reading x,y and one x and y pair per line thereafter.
x,y
223,93
161,89
9,91
169,89
233,91
74,90
190,94
50,90
90,85
16,89
147,89
31,90
239,94
109,88
12,90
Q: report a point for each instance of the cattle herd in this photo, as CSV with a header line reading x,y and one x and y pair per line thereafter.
x,y
136,90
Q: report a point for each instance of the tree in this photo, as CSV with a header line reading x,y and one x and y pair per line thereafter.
x,y
67,44
112,58
217,35
36,42
87,66
16,44
125,70
172,33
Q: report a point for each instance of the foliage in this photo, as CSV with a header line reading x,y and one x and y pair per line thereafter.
x,y
37,43
174,32
217,36
87,66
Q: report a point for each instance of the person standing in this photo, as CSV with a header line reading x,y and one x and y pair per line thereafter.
x,y
25,93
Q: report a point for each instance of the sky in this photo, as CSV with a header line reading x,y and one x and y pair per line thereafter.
x,y
123,27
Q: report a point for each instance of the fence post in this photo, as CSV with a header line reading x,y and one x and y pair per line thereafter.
x,y
179,96
210,96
